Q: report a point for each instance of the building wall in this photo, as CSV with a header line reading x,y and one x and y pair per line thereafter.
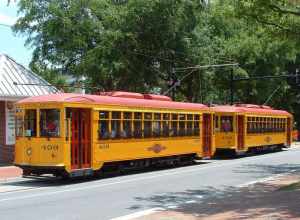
x,y
6,151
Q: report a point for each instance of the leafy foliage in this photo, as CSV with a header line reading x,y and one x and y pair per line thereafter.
x,y
142,46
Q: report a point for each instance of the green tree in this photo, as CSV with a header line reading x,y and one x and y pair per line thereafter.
x,y
132,46
282,16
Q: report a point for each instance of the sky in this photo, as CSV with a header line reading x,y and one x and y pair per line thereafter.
x,y
10,43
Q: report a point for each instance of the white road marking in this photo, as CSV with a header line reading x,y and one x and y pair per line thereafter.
x,y
198,197
9,188
148,177
172,207
190,202
139,214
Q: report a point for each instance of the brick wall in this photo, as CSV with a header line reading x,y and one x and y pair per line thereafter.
x,y
6,152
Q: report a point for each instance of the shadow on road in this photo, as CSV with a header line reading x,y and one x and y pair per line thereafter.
x,y
253,202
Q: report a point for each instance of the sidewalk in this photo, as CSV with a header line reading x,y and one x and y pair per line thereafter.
x,y
277,198
7,172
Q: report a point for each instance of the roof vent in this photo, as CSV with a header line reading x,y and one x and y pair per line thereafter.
x,y
134,95
157,97
253,106
120,94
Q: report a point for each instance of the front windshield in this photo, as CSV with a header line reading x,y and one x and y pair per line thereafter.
x,y
49,122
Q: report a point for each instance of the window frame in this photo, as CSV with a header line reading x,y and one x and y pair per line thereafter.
x,y
35,123
41,129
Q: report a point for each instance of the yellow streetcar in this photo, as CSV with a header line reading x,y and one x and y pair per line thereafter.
x,y
78,135
243,128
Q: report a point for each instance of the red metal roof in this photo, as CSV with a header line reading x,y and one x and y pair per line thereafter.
x,y
109,100
254,109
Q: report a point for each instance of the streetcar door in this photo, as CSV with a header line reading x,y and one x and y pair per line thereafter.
x,y
240,132
207,135
81,138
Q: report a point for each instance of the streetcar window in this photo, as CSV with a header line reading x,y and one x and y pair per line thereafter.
x,y
19,126
181,117
127,131
189,117
271,125
282,125
30,123
137,129
148,116
181,131
103,129
165,128
157,116
216,122
115,129
174,117
103,115
147,129
156,128
258,123
174,130
166,116
196,128
147,124
189,129
262,125
267,124
115,125
127,115
103,125
116,115
226,123
181,128
137,115
249,126
49,122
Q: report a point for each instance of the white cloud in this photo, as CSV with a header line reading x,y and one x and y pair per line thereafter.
x,y
7,20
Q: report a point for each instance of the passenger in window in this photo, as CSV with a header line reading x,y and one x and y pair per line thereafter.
x,y
52,126
113,134
123,134
224,125
126,133
104,130
115,129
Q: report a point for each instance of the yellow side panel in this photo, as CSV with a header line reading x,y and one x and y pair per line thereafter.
x,y
128,150
265,139
40,152
225,140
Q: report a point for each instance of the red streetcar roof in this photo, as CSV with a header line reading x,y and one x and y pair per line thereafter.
x,y
247,108
110,100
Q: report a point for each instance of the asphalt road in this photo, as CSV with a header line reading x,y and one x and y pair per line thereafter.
x,y
113,197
